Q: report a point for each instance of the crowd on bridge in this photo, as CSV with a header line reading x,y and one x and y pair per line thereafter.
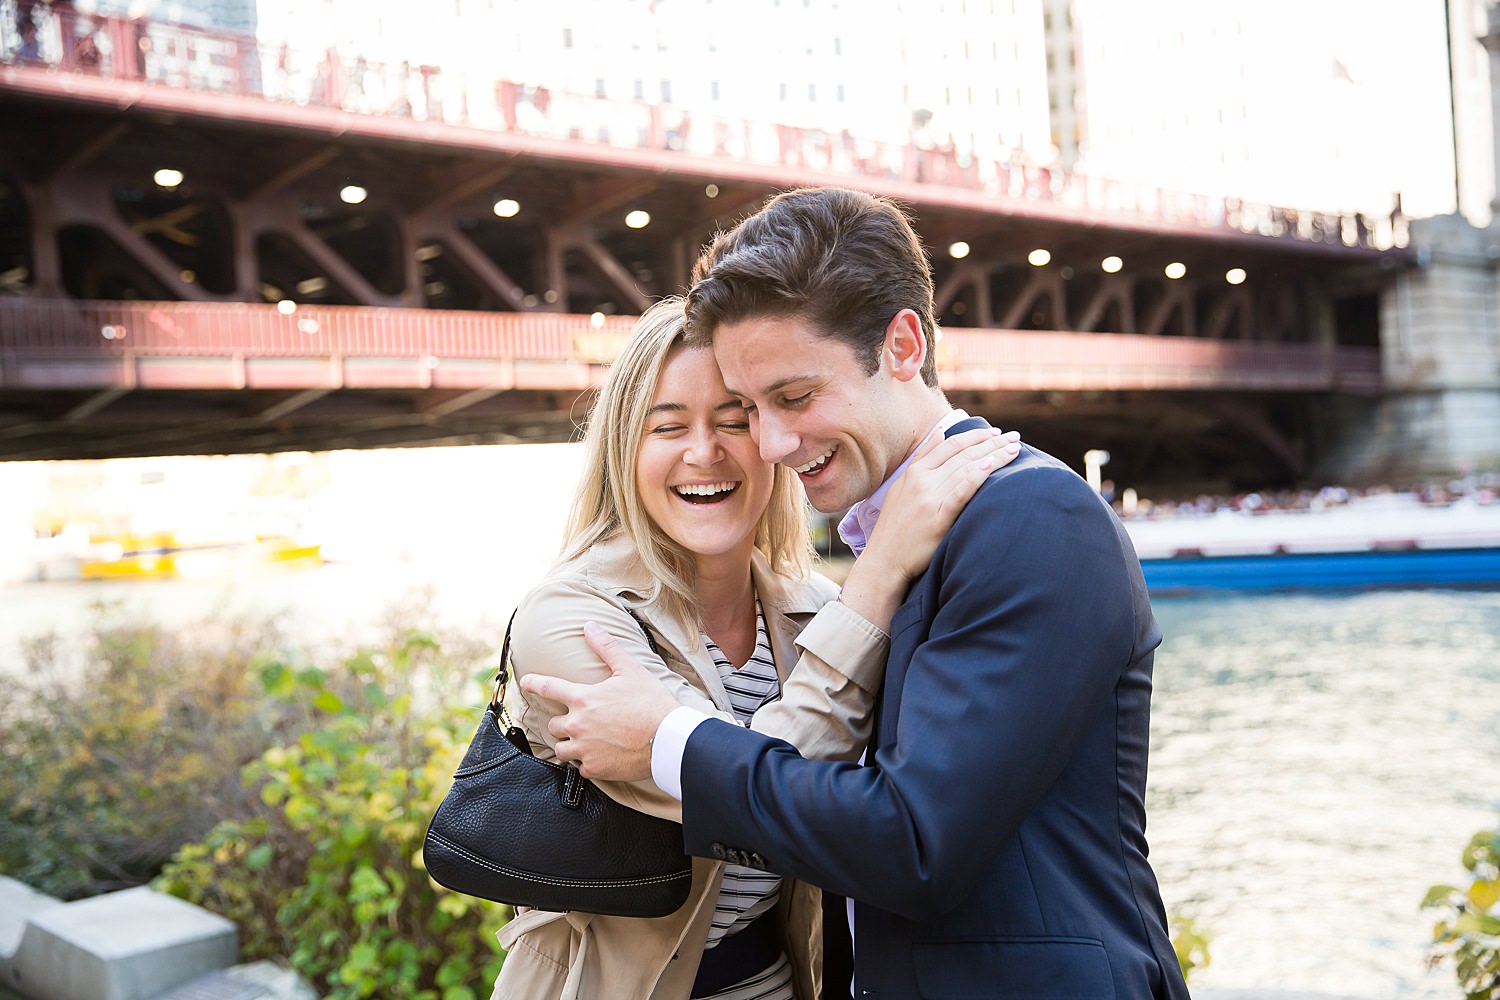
x,y
1483,489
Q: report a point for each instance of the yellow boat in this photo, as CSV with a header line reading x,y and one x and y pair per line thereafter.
x,y
160,556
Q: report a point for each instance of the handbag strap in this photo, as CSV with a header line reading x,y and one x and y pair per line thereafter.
x,y
497,698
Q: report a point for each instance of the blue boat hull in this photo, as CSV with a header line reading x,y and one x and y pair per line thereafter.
x,y
1311,571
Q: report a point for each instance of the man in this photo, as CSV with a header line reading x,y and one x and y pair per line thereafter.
x,y
994,840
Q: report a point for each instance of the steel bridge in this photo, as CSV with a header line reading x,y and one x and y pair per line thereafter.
x,y
237,303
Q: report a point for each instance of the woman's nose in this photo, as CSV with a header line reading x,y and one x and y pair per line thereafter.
x,y
703,448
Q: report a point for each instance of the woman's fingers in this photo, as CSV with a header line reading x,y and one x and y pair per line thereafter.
x,y
936,451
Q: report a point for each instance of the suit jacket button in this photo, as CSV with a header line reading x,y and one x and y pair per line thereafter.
x,y
720,851
756,861
736,856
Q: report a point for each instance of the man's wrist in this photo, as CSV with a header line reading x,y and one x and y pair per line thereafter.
x,y
669,744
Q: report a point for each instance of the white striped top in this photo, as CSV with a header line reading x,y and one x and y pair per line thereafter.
x,y
746,893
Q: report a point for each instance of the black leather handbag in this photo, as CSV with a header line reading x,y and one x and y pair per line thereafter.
x,y
516,829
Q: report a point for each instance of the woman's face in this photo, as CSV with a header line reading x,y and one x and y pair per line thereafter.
x,y
699,474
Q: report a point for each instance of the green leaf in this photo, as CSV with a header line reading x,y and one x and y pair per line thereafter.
x,y
327,701
259,857
278,681
312,677
1438,894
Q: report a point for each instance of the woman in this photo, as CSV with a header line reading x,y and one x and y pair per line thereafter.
x,y
678,517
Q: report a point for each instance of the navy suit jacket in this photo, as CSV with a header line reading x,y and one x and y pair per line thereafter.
x,y
995,844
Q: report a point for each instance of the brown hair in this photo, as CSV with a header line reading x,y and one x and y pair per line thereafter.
x,y
844,260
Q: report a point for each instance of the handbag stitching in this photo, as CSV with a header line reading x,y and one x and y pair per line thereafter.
x,y
623,883
493,762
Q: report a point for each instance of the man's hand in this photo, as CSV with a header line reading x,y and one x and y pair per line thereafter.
x,y
606,727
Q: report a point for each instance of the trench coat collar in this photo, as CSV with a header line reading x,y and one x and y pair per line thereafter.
x,y
613,565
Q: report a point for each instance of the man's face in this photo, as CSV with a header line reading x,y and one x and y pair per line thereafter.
x,y
812,407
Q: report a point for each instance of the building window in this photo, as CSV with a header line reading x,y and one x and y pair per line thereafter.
x,y
812,93
640,90
567,38
839,94
838,46
782,89
713,90
666,91
599,87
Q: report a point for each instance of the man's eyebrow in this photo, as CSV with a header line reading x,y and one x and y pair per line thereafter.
x,y
778,385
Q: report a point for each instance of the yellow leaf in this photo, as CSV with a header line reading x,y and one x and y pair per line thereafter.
x,y
1484,894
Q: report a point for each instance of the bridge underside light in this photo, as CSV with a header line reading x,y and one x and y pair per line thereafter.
x,y
353,194
167,177
1175,270
1111,264
1039,257
638,219
958,250
507,208
1235,275
286,307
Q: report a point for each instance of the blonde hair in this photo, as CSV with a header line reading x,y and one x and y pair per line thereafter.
x,y
607,505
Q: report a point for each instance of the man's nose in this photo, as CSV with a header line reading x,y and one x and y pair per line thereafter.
x,y
775,439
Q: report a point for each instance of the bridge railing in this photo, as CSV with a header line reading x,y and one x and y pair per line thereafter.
x,y
1022,360
154,52
439,340
217,329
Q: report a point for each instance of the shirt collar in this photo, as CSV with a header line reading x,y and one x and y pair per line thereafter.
x,y
857,524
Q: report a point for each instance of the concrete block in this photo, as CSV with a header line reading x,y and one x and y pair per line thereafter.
x,y
129,945
279,983
19,902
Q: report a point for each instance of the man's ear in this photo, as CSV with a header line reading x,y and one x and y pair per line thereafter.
x,y
905,346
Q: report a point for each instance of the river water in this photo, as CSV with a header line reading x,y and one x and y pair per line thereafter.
x,y
1317,763
1317,760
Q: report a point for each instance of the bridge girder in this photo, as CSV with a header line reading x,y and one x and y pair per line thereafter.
x,y
258,219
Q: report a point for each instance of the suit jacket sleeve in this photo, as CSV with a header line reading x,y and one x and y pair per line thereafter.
x,y
1033,624
827,701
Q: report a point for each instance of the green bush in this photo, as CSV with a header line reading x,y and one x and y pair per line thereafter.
x,y
103,777
327,870
1468,934
1191,944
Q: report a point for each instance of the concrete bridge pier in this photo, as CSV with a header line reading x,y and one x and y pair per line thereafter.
x,y
1439,411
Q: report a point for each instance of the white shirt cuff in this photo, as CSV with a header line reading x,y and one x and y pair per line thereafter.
x,y
668,746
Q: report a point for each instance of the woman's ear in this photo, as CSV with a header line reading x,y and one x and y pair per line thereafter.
x,y
905,346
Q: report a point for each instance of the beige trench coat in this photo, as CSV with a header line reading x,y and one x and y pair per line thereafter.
x,y
824,712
